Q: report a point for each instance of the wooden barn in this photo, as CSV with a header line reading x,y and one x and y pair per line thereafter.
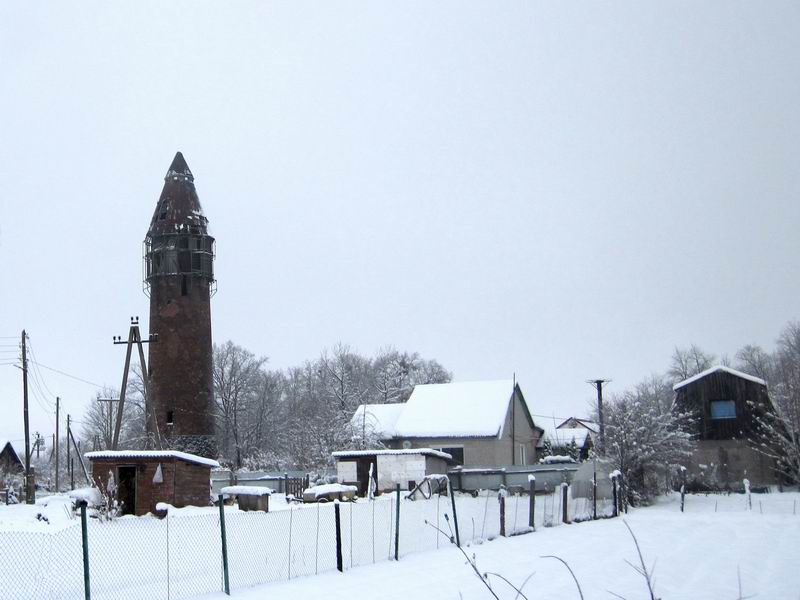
x,y
726,404
143,478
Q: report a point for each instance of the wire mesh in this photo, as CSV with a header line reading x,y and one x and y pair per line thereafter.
x,y
180,556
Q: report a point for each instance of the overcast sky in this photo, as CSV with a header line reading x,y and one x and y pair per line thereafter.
x,y
565,190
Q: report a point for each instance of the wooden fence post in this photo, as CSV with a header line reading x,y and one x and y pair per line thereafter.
x,y
455,515
532,507
339,565
564,506
683,486
502,499
614,489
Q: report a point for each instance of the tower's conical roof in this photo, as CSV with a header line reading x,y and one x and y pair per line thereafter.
x,y
178,209
179,168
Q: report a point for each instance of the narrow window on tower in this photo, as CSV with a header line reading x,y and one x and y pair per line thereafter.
x,y
184,287
170,417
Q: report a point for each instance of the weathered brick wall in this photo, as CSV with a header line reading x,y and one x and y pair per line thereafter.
x,y
184,484
181,380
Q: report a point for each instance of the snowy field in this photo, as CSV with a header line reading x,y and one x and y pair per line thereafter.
x,y
291,551
696,556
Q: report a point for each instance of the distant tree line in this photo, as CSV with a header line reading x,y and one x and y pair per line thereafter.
x,y
647,439
295,418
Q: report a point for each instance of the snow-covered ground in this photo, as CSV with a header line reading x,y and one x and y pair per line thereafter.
x,y
291,551
696,555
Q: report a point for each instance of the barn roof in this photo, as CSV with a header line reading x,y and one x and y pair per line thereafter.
x,y
466,409
718,368
165,454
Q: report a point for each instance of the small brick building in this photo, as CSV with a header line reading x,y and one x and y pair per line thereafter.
x,y
183,479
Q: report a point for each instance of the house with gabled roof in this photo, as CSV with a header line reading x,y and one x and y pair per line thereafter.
x,y
10,461
726,405
566,441
479,423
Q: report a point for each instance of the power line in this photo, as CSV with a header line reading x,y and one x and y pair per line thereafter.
x,y
38,371
98,385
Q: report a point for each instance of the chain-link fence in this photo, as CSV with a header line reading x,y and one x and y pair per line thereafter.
x,y
181,556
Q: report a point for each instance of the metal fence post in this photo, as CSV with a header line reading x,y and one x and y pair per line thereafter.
x,y
87,588
594,489
564,505
455,515
532,508
397,527
502,499
339,565
227,582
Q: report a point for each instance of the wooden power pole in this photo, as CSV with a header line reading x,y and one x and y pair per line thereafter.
x,y
58,406
134,337
598,383
30,492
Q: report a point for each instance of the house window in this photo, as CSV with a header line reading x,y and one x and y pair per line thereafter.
x,y
170,417
723,409
523,457
456,453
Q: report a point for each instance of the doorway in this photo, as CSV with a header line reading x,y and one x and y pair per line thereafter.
x,y
126,490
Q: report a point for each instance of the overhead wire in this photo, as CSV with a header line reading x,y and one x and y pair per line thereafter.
x,y
75,377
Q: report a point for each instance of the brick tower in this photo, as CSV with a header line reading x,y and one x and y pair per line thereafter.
x,y
179,278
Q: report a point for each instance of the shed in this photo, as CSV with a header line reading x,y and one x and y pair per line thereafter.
x,y
389,467
143,478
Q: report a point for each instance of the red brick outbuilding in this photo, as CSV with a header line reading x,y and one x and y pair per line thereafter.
x,y
143,478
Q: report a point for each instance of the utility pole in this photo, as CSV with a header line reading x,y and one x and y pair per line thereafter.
x,y
134,337
58,406
598,383
69,454
29,484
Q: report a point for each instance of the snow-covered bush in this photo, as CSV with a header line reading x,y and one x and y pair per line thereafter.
x,y
645,438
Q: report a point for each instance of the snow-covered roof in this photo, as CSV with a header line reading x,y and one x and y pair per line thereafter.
x,y
246,490
560,438
467,409
166,454
423,451
590,425
714,370
330,488
380,418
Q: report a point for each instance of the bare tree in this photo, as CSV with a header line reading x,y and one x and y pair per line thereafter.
x,y
688,362
237,374
778,431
